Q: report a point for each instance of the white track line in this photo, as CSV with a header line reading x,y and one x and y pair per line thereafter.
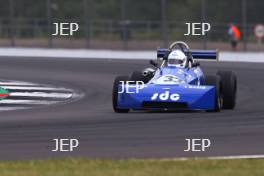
x,y
12,108
238,157
27,102
41,94
17,83
216,157
35,95
34,88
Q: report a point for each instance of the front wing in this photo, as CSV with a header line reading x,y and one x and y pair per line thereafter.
x,y
181,97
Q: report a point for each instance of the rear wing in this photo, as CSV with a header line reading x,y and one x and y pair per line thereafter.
x,y
197,54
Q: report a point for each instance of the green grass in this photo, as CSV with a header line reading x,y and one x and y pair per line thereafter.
x,y
133,167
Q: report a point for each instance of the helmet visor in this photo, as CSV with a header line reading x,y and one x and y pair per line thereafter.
x,y
175,61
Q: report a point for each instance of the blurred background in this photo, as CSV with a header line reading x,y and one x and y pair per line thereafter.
x,y
129,24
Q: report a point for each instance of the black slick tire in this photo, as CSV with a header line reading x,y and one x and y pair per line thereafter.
x,y
216,81
117,81
229,85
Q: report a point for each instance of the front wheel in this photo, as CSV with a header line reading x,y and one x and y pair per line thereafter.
x,y
229,85
115,94
138,76
216,81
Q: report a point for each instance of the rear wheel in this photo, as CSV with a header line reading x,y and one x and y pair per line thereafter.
x,y
115,94
229,85
216,81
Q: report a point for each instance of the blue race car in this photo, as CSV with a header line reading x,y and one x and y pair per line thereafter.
x,y
176,83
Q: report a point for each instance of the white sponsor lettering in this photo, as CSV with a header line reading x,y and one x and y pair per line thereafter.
x,y
195,87
166,96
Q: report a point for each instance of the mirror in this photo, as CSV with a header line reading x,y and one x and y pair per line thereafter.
x,y
195,64
153,63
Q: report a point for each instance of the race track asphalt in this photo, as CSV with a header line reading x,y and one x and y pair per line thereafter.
x,y
28,134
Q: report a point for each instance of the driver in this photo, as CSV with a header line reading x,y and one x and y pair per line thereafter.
x,y
177,59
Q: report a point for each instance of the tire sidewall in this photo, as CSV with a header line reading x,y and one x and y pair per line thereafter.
x,y
115,94
216,82
229,85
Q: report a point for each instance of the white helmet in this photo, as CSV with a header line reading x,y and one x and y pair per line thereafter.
x,y
177,59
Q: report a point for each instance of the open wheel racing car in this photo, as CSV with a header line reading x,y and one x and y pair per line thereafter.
x,y
176,83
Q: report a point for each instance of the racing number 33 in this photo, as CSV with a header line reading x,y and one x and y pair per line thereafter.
x,y
169,78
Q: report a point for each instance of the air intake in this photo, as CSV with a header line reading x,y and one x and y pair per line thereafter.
x,y
164,105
